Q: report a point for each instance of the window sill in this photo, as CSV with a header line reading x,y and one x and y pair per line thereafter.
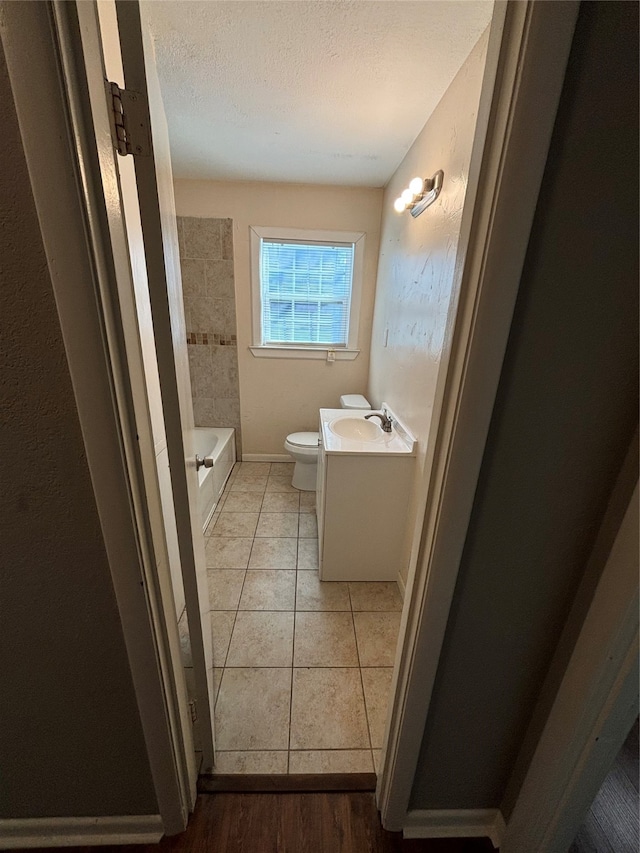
x,y
319,353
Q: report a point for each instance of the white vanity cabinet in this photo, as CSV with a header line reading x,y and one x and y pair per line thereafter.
x,y
362,503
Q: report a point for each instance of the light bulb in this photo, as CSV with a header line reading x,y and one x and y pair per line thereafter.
x,y
416,186
407,196
399,205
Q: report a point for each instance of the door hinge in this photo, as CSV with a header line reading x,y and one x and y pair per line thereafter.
x,y
193,707
129,114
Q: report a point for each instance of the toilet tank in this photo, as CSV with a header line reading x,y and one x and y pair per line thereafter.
x,y
354,401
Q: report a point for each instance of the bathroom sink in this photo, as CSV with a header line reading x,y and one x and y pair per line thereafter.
x,y
357,429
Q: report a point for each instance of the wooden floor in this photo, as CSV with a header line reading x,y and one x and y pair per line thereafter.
x,y
611,826
295,823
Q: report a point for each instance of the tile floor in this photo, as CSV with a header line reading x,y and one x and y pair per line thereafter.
x,y
302,669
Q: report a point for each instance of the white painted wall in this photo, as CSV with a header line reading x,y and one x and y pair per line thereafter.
x,y
279,396
419,267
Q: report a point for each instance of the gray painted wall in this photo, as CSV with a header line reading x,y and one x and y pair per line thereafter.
x,y
565,413
71,742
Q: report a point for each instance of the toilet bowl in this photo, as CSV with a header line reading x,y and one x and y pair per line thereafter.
x,y
303,447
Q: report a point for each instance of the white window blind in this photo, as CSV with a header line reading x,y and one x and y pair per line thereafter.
x,y
305,292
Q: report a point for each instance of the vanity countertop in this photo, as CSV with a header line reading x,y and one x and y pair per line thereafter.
x,y
398,442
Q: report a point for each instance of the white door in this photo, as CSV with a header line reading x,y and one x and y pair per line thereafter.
x,y
145,190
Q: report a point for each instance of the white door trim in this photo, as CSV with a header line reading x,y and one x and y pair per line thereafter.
x,y
94,349
593,711
528,49
455,823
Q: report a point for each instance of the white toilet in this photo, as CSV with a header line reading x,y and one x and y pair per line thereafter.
x,y
303,446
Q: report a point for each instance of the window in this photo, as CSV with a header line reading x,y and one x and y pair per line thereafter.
x,y
306,292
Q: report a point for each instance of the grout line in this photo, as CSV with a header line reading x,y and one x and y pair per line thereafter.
x,y
293,647
364,698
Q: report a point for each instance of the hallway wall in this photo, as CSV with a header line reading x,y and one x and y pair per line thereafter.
x,y
565,414
71,741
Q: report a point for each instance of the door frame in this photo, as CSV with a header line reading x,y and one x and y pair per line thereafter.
x,y
527,54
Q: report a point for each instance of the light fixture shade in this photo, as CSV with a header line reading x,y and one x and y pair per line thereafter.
x,y
416,185
399,205
407,196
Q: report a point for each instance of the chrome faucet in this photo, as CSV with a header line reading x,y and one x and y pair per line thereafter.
x,y
385,420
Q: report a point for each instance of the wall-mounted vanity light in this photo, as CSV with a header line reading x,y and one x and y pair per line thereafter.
x,y
420,193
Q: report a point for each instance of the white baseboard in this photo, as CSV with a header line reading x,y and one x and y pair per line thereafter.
x,y
401,585
266,457
455,823
19,833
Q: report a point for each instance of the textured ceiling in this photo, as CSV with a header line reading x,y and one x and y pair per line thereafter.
x,y
310,91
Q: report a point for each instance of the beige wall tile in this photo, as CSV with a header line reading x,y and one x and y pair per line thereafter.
x,y
219,278
201,238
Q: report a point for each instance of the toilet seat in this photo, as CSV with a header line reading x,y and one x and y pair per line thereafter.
x,y
304,439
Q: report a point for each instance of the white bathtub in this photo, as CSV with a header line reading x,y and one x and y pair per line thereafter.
x,y
219,443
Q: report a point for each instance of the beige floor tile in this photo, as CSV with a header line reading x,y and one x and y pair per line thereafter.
x,y
277,524
377,636
242,722
243,502
273,554
212,521
268,589
222,553
251,762
236,524
282,485
282,469
249,485
331,761
375,596
217,678
325,639
261,639
314,594
185,642
308,554
280,502
377,684
253,469
307,526
307,501
225,586
221,628
377,760
327,710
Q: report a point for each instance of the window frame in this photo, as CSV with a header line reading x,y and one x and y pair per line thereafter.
x,y
301,350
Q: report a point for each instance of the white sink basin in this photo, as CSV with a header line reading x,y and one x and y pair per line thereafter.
x,y
356,429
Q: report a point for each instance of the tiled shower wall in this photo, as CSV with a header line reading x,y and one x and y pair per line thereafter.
x,y
206,257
